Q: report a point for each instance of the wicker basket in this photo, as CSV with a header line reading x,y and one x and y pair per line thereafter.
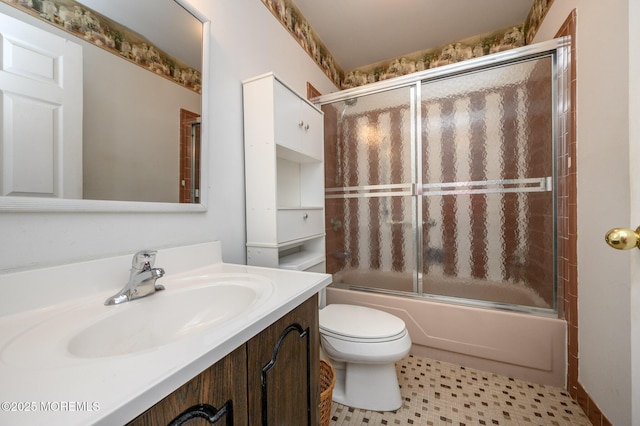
x,y
327,381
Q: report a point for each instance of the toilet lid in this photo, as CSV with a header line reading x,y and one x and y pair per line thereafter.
x,y
360,322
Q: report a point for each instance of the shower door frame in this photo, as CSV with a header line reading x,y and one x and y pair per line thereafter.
x,y
558,49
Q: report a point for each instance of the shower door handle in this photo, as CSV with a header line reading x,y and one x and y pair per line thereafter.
x,y
623,238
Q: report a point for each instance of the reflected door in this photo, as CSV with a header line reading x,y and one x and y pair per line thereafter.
x,y
40,112
189,157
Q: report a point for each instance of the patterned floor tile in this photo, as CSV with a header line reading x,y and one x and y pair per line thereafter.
x,y
437,393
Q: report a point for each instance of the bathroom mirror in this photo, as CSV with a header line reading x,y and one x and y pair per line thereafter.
x,y
131,139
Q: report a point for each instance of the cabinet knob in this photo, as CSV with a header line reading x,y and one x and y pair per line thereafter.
x,y
300,123
306,127
305,216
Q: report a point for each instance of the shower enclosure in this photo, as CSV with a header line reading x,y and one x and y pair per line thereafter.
x,y
442,184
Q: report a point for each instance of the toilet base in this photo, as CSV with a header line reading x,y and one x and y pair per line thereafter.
x,y
367,386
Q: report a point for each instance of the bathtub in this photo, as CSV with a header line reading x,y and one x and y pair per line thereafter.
x,y
517,345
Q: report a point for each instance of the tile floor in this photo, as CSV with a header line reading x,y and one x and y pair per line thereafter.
x,y
439,393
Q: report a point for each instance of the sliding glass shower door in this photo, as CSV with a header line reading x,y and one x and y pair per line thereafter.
x,y
444,187
486,176
370,206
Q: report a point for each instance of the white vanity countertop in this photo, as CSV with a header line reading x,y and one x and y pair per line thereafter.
x,y
42,383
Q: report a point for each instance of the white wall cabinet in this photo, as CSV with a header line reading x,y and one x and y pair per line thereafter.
x,y
298,125
284,176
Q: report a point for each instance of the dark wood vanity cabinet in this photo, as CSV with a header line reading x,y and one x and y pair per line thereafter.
x,y
220,389
273,379
283,370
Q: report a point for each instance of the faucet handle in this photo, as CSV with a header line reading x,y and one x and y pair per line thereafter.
x,y
144,259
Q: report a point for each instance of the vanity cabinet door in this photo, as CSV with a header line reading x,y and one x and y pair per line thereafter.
x,y
224,386
283,370
216,396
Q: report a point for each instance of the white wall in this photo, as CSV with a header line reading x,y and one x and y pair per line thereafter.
x,y
131,130
246,41
604,314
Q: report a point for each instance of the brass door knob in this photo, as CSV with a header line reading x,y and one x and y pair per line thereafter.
x,y
623,238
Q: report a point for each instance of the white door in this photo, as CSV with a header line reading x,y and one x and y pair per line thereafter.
x,y
41,112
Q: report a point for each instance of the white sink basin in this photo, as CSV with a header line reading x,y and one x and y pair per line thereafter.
x,y
188,306
162,318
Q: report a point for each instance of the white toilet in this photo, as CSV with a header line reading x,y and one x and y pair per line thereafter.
x,y
363,345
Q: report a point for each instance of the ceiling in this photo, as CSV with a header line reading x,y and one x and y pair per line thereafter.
x,y
364,32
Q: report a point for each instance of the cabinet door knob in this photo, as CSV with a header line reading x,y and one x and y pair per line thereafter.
x,y
300,123
306,127
305,216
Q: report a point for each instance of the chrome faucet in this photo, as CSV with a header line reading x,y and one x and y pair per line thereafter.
x,y
142,280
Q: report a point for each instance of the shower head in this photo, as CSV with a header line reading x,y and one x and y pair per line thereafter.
x,y
347,103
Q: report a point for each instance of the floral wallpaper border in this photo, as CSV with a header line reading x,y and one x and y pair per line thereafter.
x,y
291,18
535,17
469,48
96,29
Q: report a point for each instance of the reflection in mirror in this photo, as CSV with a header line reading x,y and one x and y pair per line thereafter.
x,y
138,101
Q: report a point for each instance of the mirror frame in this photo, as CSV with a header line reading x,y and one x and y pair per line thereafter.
x,y
37,205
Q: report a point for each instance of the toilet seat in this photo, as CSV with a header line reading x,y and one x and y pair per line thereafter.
x,y
360,324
